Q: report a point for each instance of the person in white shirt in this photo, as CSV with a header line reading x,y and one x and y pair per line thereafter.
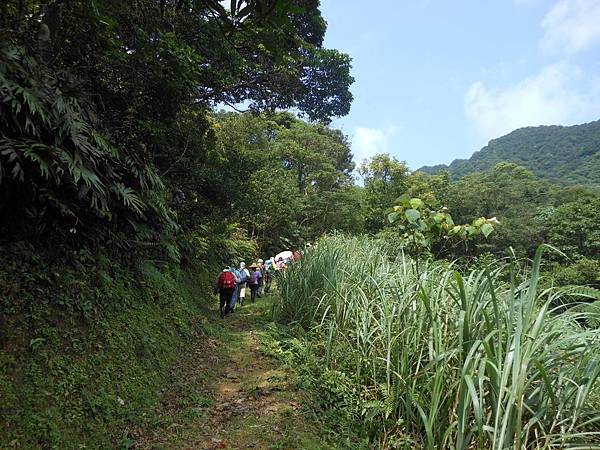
x,y
244,276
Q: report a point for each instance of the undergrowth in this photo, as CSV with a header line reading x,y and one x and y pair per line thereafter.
x,y
85,344
331,394
438,358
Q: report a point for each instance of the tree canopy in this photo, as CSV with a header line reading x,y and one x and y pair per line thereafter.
x,y
106,105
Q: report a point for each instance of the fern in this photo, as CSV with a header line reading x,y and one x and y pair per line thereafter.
x,y
53,142
128,197
590,311
580,291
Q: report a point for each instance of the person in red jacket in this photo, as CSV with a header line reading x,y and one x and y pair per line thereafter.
x,y
225,285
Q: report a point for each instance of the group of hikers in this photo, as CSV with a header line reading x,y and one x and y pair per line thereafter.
x,y
232,282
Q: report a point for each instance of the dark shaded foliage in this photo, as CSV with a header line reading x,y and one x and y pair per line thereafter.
x,y
104,107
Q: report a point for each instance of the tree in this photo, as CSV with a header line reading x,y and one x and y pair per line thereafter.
x,y
319,156
385,179
513,195
106,105
292,178
573,228
432,189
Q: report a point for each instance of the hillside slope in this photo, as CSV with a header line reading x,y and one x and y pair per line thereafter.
x,y
567,155
86,344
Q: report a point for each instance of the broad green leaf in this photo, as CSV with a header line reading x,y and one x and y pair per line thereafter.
x,y
416,203
486,229
393,217
412,215
455,229
403,200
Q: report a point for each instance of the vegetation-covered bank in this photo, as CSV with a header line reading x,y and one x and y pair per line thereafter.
x,y
86,344
427,357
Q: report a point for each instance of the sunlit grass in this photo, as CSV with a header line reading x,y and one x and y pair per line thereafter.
x,y
444,359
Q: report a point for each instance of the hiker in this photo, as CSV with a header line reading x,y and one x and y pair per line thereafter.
x,y
269,268
269,262
280,264
236,289
261,280
253,281
224,287
244,275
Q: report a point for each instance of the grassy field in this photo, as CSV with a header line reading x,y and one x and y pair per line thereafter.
x,y
443,359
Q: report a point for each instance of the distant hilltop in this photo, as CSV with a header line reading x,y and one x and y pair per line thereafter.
x,y
565,155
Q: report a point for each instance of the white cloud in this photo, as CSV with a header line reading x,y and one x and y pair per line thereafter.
x,y
553,96
571,26
367,142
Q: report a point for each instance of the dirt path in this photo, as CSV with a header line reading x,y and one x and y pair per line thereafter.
x,y
230,395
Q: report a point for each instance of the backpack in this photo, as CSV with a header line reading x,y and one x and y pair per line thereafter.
x,y
243,276
226,280
237,276
252,278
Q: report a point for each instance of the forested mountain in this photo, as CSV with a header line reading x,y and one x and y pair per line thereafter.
x,y
566,155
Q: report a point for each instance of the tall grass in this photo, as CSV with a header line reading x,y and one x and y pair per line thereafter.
x,y
446,360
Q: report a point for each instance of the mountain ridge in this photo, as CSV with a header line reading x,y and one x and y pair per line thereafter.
x,y
557,153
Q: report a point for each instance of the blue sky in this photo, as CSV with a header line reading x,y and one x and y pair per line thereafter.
x,y
437,79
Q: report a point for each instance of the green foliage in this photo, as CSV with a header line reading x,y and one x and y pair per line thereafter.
x,y
444,360
291,180
424,228
508,192
531,211
581,272
105,108
564,155
86,345
572,226
54,158
385,179
332,395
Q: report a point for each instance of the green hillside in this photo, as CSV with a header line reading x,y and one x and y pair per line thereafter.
x,y
568,155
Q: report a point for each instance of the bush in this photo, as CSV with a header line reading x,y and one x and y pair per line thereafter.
x,y
582,272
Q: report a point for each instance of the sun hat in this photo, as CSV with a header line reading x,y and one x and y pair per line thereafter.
x,y
253,266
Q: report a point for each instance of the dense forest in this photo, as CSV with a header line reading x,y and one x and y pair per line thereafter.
x,y
144,145
567,155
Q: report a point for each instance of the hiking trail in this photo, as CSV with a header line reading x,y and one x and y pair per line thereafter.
x,y
229,394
